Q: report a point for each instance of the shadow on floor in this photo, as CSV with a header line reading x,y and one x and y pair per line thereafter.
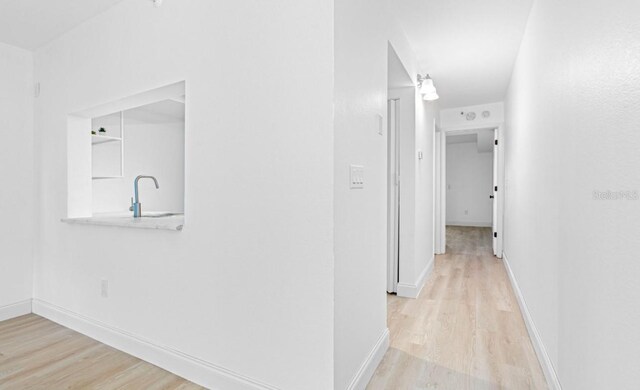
x,y
420,374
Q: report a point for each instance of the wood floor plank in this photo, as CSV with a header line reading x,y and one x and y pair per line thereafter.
x,y
465,330
36,353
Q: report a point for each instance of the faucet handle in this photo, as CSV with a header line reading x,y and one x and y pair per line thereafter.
x,y
131,208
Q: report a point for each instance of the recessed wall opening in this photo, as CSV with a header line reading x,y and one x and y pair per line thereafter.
x,y
118,152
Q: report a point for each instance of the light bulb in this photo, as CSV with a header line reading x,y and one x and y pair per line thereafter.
x,y
431,96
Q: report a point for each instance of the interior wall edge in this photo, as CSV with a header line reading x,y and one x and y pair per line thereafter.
x,y
406,290
369,365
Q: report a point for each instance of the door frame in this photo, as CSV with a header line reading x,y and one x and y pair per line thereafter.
x,y
440,204
494,191
440,192
393,195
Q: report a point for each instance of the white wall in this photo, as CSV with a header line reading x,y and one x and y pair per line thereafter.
x,y
150,149
572,128
363,30
360,215
469,184
424,186
247,286
17,202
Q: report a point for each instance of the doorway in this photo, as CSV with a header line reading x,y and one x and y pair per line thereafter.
x,y
469,183
401,93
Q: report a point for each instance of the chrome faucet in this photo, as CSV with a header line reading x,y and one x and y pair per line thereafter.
x,y
136,206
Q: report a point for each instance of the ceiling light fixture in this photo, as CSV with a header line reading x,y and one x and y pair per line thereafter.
x,y
427,89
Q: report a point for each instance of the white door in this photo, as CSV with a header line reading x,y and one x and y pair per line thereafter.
x,y
494,193
393,181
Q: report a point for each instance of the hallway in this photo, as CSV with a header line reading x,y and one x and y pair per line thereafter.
x,y
251,195
464,331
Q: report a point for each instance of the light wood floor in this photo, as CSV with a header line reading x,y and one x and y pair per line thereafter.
x,y
36,353
464,331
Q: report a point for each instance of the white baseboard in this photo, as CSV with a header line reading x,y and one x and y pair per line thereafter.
x,y
407,290
545,362
368,367
14,310
189,367
469,223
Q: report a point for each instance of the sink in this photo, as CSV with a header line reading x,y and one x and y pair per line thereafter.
x,y
159,214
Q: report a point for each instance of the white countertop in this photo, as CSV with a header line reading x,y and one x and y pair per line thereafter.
x,y
172,222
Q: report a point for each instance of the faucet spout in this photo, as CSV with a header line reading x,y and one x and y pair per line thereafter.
x,y
146,177
136,206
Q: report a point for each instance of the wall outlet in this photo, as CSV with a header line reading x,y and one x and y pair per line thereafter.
x,y
356,177
380,124
104,288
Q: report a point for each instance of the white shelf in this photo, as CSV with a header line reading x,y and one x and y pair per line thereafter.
x,y
107,156
101,139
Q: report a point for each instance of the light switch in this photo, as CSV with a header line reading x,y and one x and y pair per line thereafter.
x,y
356,176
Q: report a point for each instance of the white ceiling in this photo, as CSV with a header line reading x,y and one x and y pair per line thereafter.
x,y
468,47
32,23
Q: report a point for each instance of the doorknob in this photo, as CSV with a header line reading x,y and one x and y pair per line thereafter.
x,y
490,196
